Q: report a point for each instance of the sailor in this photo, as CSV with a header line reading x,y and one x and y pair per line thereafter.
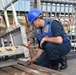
x,y
52,39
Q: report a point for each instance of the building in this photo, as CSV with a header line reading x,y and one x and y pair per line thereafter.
x,y
20,5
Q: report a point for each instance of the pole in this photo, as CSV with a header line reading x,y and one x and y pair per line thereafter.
x,y
6,17
39,4
15,15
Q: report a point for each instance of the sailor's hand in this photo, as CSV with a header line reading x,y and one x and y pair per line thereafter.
x,y
31,60
43,40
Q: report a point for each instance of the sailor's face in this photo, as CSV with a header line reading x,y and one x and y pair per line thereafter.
x,y
36,23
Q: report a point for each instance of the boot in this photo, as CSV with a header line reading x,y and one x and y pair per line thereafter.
x,y
54,67
55,64
63,62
